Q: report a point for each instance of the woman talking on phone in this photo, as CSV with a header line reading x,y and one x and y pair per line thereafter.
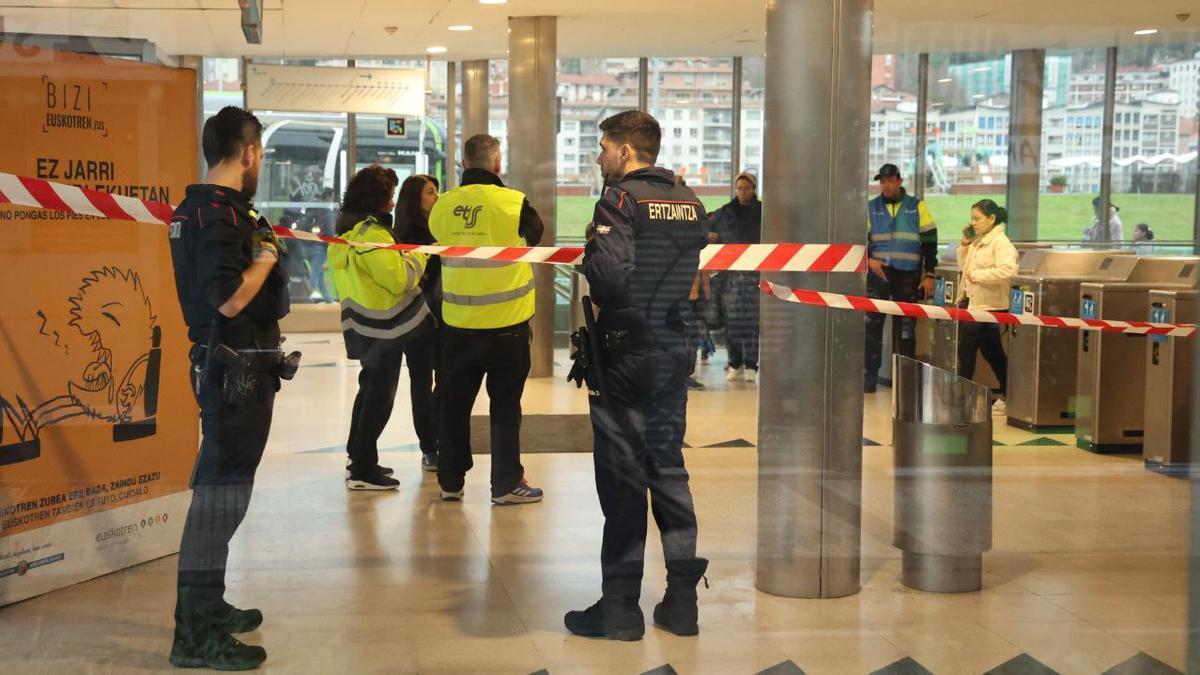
x,y
989,262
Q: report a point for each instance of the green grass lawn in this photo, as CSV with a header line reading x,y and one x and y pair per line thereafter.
x,y
1060,217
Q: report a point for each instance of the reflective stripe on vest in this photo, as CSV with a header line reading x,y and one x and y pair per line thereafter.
x,y
896,240
384,324
482,294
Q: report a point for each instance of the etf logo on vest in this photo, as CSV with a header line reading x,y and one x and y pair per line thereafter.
x,y
469,214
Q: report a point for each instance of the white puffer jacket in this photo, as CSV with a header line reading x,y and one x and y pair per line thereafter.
x,y
988,266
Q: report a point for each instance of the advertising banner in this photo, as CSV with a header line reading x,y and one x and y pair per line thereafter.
x,y
98,426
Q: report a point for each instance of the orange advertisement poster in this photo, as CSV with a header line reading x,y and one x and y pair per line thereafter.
x,y
98,425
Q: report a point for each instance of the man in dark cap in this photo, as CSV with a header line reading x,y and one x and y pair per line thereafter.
x,y
902,251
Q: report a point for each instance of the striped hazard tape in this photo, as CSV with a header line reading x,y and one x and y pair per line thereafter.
x,y
917,311
24,191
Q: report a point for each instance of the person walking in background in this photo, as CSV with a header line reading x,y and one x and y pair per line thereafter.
x,y
740,222
902,250
321,221
1142,235
382,310
417,196
989,262
1116,229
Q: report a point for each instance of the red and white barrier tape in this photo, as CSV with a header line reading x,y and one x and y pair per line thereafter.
x,y
916,311
24,191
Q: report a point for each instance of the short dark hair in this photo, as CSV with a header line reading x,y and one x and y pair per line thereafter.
x,y
369,191
228,132
637,129
479,152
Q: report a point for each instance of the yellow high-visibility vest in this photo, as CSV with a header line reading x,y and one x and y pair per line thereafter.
x,y
482,293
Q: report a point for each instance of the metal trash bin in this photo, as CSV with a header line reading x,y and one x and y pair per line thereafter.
x,y
942,437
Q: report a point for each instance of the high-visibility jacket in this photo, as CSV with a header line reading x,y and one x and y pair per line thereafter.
x,y
895,231
381,300
481,294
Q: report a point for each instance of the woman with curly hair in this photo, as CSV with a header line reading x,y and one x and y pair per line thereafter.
x,y
382,310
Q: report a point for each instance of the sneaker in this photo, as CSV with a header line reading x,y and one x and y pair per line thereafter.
x,y
693,383
999,409
429,463
374,480
733,374
385,470
522,494
218,651
452,495
752,375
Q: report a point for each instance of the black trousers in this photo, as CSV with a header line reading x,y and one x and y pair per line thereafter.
x,y
422,356
231,449
377,384
899,287
638,447
740,298
985,338
468,356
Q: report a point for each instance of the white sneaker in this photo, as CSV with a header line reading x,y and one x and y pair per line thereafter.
x,y
999,409
752,375
733,374
452,496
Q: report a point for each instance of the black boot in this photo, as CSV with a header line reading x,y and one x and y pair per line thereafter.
x,y
610,618
677,612
202,642
233,620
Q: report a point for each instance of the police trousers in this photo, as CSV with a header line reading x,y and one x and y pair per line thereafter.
x,y
234,437
468,356
899,287
638,447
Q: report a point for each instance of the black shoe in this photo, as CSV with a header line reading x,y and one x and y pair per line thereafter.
x,y
429,462
693,383
610,618
374,480
678,613
870,386
215,650
385,470
233,620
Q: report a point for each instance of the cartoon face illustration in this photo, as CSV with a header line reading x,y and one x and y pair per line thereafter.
x,y
112,311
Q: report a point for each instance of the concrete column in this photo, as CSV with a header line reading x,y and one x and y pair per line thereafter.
x,y
474,98
1025,143
1106,152
195,63
644,84
918,179
451,126
810,398
532,142
736,150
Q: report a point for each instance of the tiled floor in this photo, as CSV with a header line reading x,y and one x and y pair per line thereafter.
x,y
1089,567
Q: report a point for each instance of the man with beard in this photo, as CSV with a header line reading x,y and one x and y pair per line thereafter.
x,y
642,257
233,294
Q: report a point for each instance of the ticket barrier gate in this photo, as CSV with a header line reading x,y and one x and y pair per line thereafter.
x,y
1110,414
1042,361
1169,364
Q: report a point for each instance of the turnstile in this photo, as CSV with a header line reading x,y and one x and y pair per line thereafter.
x,y
937,341
1111,396
1169,364
1042,361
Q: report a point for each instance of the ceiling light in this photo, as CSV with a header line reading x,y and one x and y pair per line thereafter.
x,y
1146,31
436,50
461,29
945,80
493,2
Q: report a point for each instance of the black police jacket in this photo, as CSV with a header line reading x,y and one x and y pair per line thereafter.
x,y
643,255
211,245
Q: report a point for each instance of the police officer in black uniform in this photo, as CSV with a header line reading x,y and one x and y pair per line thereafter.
x,y
640,262
233,294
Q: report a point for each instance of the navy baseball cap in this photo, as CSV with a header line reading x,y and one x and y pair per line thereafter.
x,y
888,170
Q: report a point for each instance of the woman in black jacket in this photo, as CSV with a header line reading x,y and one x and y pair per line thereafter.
x,y
417,196
740,222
